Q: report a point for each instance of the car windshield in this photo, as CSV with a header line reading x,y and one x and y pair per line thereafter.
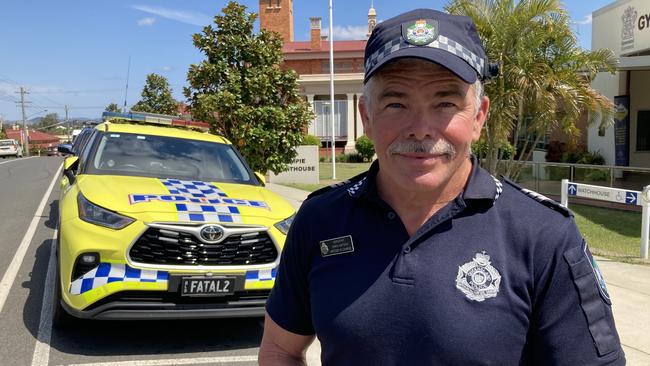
x,y
167,157
6,143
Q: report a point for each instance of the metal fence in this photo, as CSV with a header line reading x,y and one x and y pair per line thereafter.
x,y
546,178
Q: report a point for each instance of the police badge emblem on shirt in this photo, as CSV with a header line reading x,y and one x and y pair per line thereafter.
x,y
336,246
477,279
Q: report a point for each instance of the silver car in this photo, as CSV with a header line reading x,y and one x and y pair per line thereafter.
x,y
10,147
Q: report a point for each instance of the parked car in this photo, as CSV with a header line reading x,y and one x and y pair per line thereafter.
x,y
162,221
10,147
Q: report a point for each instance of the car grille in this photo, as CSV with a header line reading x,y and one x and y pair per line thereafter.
x,y
162,246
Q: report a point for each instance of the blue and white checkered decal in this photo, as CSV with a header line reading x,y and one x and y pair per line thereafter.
x,y
199,201
442,43
261,275
206,192
111,272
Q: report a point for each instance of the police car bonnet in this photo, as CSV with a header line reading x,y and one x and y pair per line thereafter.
x,y
448,40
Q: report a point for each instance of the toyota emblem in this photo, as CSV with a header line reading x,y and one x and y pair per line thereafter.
x,y
211,233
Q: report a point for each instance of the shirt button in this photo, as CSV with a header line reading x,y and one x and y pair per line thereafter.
x,y
391,215
407,250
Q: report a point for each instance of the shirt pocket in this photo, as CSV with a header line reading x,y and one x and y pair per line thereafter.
x,y
595,306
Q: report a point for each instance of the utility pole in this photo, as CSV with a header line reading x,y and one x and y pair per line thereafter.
x,y
25,130
66,120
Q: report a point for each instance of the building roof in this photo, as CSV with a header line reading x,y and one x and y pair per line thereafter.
x,y
34,136
339,46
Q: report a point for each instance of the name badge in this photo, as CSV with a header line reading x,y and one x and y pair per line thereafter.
x,y
336,246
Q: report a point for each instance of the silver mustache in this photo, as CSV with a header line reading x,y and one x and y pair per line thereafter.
x,y
437,147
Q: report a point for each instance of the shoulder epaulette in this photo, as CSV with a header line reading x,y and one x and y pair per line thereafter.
x,y
346,182
552,204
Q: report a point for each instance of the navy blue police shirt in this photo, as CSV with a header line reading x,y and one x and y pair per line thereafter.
x,y
499,276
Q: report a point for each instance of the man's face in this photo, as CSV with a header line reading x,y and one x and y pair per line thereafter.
x,y
422,119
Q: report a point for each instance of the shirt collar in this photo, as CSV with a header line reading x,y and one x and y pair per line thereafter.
x,y
481,185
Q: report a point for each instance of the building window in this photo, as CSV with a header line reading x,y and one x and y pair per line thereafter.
x,y
322,126
643,131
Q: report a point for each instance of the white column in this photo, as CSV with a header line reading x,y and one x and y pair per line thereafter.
x,y
349,145
359,121
312,125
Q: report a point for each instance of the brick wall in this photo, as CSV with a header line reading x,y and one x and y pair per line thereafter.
x,y
277,16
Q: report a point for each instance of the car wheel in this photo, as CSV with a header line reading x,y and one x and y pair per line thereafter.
x,y
61,319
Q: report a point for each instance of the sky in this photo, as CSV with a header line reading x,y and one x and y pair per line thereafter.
x,y
76,53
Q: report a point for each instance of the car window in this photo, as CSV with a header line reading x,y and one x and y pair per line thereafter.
x,y
6,142
167,157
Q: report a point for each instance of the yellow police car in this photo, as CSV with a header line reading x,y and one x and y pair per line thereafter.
x,y
160,220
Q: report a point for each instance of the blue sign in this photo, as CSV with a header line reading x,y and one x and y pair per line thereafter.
x,y
631,198
573,189
622,130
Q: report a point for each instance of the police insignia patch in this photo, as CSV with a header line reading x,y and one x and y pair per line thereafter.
x,y
420,33
599,276
477,279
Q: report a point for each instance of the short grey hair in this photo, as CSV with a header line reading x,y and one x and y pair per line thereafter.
x,y
479,92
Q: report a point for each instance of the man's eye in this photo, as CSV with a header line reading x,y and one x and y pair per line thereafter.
x,y
446,105
395,105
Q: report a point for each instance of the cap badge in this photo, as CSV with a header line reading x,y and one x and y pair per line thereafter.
x,y
420,33
477,279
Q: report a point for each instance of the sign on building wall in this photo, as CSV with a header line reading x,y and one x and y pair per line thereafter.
x,y
635,26
303,168
622,130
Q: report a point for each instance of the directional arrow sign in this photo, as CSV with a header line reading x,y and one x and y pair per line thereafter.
x,y
632,198
573,189
604,193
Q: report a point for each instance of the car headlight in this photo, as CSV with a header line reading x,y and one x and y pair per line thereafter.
x,y
100,216
284,225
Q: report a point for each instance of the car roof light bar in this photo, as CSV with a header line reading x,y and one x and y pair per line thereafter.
x,y
153,118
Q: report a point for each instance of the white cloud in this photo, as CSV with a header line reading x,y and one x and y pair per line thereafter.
x,y
586,20
188,17
167,68
146,21
348,32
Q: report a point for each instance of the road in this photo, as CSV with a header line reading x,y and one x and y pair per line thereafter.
x,y
27,338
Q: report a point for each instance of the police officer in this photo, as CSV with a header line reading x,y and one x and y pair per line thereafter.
x,y
427,259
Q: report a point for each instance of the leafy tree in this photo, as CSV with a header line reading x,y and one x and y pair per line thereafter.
x,y
48,123
156,97
545,77
3,135
365,147
244,94
113,107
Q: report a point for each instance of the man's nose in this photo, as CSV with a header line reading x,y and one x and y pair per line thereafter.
x,y
421,126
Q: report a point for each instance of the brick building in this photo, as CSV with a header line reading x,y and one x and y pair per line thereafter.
x,y
310,59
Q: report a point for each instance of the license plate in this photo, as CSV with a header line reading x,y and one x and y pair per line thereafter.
x,y
207,286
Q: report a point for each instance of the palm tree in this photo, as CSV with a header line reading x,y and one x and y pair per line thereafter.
x,y
544,79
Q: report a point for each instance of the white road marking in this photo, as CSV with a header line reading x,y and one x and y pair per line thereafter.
x,y
14,266
174,361
42,349
21,159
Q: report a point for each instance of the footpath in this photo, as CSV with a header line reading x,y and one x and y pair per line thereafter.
x,y
627,284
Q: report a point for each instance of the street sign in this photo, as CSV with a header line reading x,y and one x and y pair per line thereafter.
x,y
573,189
604,193
632,198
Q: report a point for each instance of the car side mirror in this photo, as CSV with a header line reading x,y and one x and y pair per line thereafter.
x,y
261,178
69,164
65,149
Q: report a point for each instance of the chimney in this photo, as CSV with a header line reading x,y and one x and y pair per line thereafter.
x,y
315,33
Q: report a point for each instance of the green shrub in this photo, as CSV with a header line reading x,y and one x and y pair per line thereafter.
x,y
310,140
365,147
349,158
480,149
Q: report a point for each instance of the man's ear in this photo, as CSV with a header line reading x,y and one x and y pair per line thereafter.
x,y
480,118
365,120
